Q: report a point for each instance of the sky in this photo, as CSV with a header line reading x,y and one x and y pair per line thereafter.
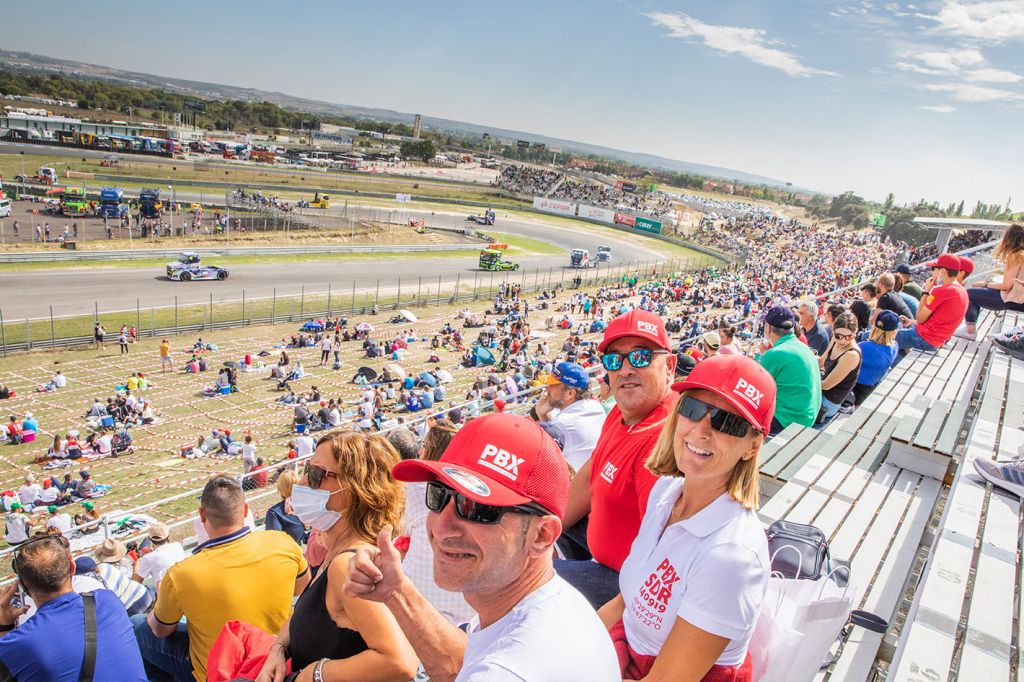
x,y
922,99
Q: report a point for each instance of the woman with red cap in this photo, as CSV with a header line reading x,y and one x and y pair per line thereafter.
x,y
693,583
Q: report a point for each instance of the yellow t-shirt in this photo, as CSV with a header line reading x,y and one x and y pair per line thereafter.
x,y
165,350
251,579
132,383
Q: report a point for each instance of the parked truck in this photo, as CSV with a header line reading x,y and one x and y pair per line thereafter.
x,y
111,203
45,176
73,202
149,203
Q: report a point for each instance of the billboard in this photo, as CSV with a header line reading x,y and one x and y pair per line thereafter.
x,y
624,186
523,144
648,225
605,215
554,206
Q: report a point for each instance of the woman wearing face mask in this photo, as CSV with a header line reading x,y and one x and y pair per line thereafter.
x,y
692,586
347,493
840,366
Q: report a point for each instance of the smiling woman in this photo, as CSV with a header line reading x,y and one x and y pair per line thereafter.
x,y
692,585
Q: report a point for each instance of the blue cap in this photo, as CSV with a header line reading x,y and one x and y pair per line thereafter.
x,y
85,564
781,317
570,374
887,321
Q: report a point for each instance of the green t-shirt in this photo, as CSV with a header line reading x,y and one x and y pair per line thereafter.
x,y
914,289
797,381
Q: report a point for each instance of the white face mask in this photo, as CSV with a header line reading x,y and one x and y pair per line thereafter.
x,y
311,507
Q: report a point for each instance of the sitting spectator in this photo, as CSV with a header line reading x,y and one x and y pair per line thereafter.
x,y
1008,293
911,287
840,367
58,522
235,575
89,520
877,355
912,303
49,494
115,569
569,413
701,540
281,516
17,525
418,562
941,310
864,308
30,423
541,629
257,478
86,486
152,565
815,330
331,634
14,431
794,369
29,492
889,299
51,644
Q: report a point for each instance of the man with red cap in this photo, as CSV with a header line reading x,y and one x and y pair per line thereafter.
x,y
966,268
495,499
613,486
941,311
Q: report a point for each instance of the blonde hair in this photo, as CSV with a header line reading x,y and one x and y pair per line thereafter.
x,y
882,337
437,439
285,482
364,465
743,484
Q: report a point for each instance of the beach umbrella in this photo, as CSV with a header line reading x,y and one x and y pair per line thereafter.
x,y
369,372
364,327
394,372
428,378
408,315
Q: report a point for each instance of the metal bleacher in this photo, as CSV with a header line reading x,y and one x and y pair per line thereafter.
x,y
876,483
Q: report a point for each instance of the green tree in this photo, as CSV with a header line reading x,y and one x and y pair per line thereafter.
x,y
419,149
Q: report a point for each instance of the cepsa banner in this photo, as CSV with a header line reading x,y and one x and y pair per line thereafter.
x,y
604,215
554,206
625,219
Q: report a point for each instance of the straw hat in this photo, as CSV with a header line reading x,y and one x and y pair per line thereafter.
x,y
110,552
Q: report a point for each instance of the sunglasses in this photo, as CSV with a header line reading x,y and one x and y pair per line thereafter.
x,y
316,474
723,421
641,357
471,510
843,337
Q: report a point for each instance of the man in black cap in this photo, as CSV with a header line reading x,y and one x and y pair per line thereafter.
x,y
909,285
795,369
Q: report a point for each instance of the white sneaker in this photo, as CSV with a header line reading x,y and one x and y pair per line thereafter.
x,y
964,334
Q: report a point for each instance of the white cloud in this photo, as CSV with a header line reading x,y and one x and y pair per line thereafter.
x,y
966,62
988,19
965,92
938,108
751,43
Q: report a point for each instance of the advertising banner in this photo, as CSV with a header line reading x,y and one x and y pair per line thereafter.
x,y
554,206
605,215
625,219
648,225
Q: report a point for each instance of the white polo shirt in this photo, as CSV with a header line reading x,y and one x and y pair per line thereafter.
x,y
710,570
577,428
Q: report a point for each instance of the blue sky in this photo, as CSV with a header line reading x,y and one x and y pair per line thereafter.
x,y
922,99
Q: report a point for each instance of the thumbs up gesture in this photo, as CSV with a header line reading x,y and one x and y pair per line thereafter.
x,y
375,572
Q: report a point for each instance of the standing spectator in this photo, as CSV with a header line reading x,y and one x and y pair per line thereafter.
x,y
325,349
496,498
248,455
152,565
166,361
98,334
51,645
694,582
235,575
613,486
795,370
941,310
122,341
569,413
815,330
1007,294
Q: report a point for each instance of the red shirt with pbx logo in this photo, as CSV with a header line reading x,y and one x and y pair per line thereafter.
x,y
620,482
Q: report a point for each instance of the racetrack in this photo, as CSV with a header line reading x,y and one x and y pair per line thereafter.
x,y
76,291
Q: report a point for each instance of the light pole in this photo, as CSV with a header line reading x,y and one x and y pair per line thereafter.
x,y
173,196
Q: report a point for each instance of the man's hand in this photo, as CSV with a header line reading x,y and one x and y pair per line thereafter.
x,y
375,572
9,614
543,407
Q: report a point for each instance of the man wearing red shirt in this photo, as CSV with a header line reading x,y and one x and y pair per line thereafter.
x,y
941,311
613,486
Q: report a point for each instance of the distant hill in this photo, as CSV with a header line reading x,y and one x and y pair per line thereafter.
x,y
31,63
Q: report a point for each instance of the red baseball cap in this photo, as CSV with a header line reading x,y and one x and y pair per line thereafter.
x,y
966,265
744,384
949,261
499,459
639,323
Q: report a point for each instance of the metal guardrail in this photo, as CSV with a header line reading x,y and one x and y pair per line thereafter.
x,y
61,256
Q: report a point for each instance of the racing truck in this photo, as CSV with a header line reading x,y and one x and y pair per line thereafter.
x,y
74,202
111,205
189,267
490,259
487,218
580,258
149,203
604,253
45,176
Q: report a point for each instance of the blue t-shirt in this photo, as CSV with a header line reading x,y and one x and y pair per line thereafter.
x,y
818,337
875,362
50,646
277,519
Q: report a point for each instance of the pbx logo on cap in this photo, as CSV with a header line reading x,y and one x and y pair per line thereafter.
x,y
501,461
746,390
647,327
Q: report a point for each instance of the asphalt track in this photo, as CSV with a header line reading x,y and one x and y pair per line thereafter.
x,y
75,291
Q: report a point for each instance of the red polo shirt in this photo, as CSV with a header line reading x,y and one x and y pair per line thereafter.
x,y
620,483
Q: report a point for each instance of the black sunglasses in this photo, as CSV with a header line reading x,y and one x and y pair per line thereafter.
x,y
722,420
641,357
471,510
316,474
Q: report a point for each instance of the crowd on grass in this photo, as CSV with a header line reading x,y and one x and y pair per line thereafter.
x,y
527,179
604,529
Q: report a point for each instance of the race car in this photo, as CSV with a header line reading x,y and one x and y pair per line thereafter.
x,y
188,267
